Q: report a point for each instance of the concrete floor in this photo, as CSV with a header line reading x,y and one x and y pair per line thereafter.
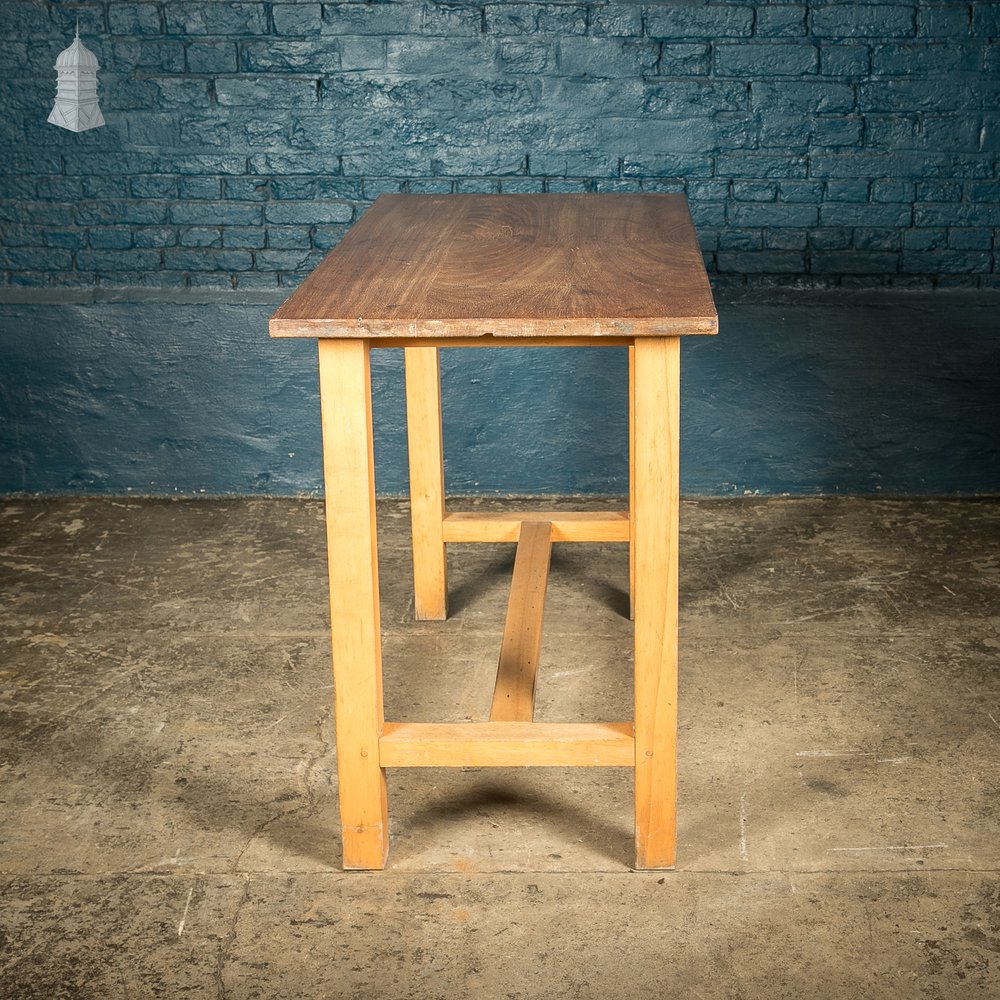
x,y
168,817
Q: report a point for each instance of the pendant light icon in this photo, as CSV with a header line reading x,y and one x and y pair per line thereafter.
x,y
76,106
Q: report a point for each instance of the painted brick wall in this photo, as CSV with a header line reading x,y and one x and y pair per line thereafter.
x,y
819,143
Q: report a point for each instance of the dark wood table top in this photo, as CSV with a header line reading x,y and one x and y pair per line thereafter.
x,y
515,265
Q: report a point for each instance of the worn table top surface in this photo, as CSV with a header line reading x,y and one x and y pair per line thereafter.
x,y
545,265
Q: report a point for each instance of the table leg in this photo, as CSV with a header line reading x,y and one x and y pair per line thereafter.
x,y
631,481
656,412
345,397
426,453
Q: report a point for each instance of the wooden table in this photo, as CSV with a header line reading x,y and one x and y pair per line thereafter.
x,y
423,272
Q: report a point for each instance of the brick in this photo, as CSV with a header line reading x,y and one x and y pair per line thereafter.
x,y
780,21
435,57
891,131
709,21
979,191
946,261
199,280
120,212
786,239
741,239
286,260
989,138
755,191
162,56
182,92
288,238
362,53
852,262
155,236
328,188
26,279
970,239
877,239
991,59
981,213
402,18
487,159
45,213
246,188
688,98
521,185
951,133
19,187
534,18
450,21
65,18
563,162
760,165
949,191
566,186
685,59
321,162
264,93
583,99
62,238
605,58
199,236
679,135
181,259
110,237
199,188
620,20
862,20
832,214
308,212
134,19
220,213
477,185
845,60
830,239
212,57
243,237
117,260
889,191
297,56
759,60
761,262
15,235
986,20
215,18
772,214
297,18
256,280
854,190
708,190
528,57
925,239
946,20
924,95
59,188
925,59
22,20
832,130
664,185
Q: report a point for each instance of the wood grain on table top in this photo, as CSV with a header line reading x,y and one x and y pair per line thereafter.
x,y
545,265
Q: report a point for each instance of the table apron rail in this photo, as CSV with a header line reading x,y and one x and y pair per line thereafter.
x,y
567,526
507,744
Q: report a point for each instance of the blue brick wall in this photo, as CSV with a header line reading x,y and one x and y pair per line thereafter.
x,y
820,143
